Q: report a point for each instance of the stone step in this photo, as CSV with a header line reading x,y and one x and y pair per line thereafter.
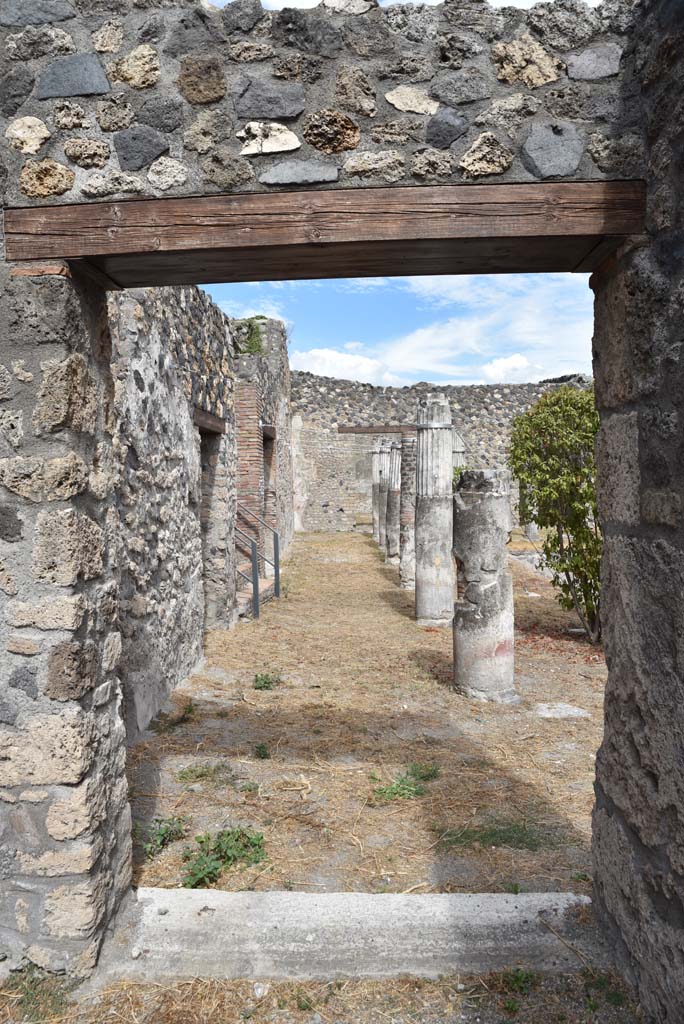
x,y
182,933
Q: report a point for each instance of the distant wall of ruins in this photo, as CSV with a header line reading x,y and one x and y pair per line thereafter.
x,y
332,469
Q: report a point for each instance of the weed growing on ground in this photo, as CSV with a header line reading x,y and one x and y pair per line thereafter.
x,y
409,784
168,722
36,996
249,787
228,847
261,752
217,774
163,832
424,771
519,980
512,834
267,680
511,1006
603,985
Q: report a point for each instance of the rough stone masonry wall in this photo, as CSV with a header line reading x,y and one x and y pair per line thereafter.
x,y
172,352
100,558
104,98
333,470
639,372
265,374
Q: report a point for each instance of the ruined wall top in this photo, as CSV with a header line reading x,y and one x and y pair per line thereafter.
x,y
109,99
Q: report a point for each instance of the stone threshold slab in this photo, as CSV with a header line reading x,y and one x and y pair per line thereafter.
x,y
182,933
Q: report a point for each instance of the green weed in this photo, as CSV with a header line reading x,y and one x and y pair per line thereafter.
x,y
409,784
303,1002
250,787
511,1006
261,752
217,774
512,834
168,722
228,847
37,996
519,980
267,680
163,832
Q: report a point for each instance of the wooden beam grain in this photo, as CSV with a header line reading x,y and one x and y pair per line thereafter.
x,y
304,218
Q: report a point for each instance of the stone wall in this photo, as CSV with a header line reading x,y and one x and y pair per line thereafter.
x,y
333,470
172,353
117,512
126,98
639,371
266,373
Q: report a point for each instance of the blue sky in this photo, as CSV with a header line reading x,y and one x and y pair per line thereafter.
x,y
463,330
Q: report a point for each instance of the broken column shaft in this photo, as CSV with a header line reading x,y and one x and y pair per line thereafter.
x,y
407,514
383,483
434,513
375,491
393,503
483,613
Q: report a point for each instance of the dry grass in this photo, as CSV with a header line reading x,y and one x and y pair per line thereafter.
x,y
587,998
365,694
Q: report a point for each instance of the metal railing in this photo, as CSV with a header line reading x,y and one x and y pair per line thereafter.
x,y
256,555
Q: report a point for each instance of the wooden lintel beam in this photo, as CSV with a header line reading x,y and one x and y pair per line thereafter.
x,y
308,219
208,422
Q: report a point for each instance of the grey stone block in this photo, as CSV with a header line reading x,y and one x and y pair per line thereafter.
x,y
24,679
445,127
10,525
595,62
299,172
242,15
165,113
80,74
456,87
308,32
15,86
138,146
553,149
34,12
256,97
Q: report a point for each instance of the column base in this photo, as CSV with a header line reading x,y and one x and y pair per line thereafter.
x,y
436,623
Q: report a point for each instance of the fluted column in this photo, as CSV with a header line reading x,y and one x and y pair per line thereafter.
x,y
393,499
483,614
434,513
375,491
383,484
407,514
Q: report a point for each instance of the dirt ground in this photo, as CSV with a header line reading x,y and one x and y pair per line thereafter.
x,y
321,764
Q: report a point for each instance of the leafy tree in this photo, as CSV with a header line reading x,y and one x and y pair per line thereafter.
x,y
552,455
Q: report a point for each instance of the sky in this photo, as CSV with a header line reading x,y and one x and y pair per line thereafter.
x,y
468,329
395,331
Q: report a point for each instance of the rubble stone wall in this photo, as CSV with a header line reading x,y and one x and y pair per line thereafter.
x,y
333,470
127,98
116,551
639,372
172,352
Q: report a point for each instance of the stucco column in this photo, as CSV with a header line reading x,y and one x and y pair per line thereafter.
x,y
393,499
407,514
383,484
483,614
375,491
434,513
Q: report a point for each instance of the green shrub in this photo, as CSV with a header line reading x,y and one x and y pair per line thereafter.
x,y
163,832
552,456
228,847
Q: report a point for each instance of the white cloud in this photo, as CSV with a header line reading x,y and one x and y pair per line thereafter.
x,y
329,362
508,370
264,307
353,346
